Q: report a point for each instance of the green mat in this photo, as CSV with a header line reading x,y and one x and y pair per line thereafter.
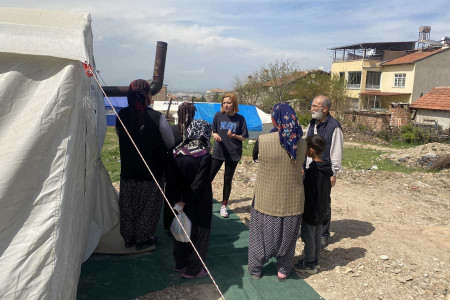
x,y
125,277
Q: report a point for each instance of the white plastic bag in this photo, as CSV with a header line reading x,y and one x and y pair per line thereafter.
x,y
176,229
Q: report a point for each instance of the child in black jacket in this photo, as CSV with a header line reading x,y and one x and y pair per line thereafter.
x,y
317,195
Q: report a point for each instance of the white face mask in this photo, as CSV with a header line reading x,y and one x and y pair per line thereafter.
x,y
318,115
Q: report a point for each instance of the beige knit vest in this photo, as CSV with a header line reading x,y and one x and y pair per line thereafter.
x,y
279,183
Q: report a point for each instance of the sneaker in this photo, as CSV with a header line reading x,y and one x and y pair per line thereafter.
x,y
316,263
305,267
223,211
202,273
281,277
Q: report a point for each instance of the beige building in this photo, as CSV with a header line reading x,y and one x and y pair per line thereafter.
x,y
162,94
359,64
379,74
214,95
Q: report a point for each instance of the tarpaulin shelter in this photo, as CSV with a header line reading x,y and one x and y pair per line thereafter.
x,y
254,117
118,103
56,198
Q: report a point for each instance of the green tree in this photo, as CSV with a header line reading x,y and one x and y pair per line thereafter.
x,y
250,91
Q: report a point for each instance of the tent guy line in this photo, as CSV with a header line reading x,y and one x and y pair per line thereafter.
x,y
90,72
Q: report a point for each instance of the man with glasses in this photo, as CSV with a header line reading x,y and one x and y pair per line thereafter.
x,y
327,127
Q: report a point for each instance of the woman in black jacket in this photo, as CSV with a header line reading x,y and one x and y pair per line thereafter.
x,y
192,168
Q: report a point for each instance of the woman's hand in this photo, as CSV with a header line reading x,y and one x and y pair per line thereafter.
x,y
235,136
179,206
217,137
230,134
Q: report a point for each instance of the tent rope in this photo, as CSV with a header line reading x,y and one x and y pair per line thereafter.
x,y
159,187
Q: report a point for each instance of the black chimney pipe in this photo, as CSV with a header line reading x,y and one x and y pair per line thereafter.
x,y
158,70
158,75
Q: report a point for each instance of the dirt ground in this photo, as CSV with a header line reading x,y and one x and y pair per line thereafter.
x,y
390,236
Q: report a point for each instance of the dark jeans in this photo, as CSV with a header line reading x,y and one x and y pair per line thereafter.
x,y
230,167
326,222
311,236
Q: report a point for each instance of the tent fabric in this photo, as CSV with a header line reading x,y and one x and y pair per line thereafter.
x,y
56,198
46,33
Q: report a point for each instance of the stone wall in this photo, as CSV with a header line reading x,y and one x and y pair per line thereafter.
x,y
376,121
400,114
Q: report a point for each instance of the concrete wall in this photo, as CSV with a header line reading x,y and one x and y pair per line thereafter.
x,y
424,116
431,72
387,79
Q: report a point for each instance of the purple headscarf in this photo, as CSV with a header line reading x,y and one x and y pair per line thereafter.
x,y
288,128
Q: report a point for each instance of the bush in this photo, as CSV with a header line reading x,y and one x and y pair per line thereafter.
x,y
413,134
385,135
304,118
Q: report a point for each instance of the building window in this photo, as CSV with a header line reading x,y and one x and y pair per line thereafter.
x,y
399,79
354,80
341,74
373,102
373,80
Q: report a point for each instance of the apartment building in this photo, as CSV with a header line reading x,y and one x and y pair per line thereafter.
x,y
379,74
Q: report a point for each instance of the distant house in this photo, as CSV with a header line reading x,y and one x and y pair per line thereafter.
x,y
162,94
379,74
360,63
214,94
433,108
415,74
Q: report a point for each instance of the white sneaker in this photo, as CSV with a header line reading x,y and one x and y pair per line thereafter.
x,y
223,211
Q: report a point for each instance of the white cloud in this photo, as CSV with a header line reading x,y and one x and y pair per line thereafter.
x,y
196,71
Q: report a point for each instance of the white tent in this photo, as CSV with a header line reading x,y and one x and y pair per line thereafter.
x,y
56,198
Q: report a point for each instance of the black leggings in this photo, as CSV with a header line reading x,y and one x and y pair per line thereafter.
x,y
230,167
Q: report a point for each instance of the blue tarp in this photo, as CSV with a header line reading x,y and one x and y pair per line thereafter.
x,y
206,111
118,103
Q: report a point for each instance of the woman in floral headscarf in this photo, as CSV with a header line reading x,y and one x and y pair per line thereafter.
x,y
278,194
192,168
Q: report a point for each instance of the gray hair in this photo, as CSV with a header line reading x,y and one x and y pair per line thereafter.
x,y
327,102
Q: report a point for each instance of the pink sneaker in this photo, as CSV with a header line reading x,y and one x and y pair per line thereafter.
x,y
202,273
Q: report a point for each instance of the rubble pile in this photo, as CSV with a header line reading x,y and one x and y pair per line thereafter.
x,y
421,156
352,134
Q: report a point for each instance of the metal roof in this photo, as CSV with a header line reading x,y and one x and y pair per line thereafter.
x,y
374,45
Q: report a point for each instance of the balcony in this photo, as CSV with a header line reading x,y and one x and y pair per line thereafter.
x,y
372,86
351,57
355,86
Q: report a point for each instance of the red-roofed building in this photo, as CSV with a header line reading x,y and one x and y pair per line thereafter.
x,y
433,108
379,74
416,73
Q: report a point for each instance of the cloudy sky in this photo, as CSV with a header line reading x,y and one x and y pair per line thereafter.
x,y
210,42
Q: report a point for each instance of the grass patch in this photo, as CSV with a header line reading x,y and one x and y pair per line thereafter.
x,y
111,154
364,159
353,157
247,149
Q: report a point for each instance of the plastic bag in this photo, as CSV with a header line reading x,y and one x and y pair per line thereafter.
x,y
176,229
